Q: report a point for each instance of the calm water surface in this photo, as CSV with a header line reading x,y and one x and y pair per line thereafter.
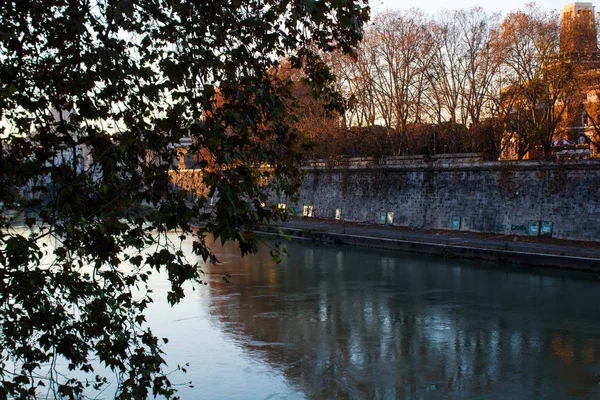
x,y
344,322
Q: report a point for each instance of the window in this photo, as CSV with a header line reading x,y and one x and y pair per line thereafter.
x,y
308,211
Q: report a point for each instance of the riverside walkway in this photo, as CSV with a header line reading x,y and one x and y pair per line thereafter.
x,y
525,250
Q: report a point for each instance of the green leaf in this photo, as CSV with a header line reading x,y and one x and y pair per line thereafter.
x,y
100,106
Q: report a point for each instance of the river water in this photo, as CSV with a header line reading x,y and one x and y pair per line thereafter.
x,y
344,322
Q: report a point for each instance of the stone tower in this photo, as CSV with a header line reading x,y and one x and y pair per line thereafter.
x,y
578,30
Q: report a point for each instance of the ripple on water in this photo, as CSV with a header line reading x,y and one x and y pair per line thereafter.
x,y
272,314
225,297
260,343
258,296
294,297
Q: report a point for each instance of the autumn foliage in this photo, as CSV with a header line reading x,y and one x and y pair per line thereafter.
x,y
462,81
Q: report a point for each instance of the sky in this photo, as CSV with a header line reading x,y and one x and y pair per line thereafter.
x,y
434,6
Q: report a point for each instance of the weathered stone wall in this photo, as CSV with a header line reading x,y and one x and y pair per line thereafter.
x,y
500,197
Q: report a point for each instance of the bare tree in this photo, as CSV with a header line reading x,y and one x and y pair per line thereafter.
x,y
403,43
355,81
479,66
465,74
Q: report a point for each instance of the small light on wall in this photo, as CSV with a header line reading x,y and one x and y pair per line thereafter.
x,y
517,193
390,218
308,211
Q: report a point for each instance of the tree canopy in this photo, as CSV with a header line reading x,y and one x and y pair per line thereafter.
x,y
531,75
95,97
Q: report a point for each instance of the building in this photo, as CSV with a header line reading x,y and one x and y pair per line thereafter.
x,y
578,30
578,41
578,132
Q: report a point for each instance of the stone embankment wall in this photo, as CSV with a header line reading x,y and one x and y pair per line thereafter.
x,y
460,193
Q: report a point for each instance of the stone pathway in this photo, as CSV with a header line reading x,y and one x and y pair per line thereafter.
x,y
586,254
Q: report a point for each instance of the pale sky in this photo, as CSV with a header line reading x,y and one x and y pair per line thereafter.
x,y
434,6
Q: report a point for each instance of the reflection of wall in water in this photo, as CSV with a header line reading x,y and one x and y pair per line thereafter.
x,y
381,326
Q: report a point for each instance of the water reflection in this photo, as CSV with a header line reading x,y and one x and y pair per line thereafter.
x,y
342,322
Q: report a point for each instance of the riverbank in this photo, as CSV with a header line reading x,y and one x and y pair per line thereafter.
x,y
528,251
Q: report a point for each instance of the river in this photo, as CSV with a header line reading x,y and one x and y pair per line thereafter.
x,y
344,322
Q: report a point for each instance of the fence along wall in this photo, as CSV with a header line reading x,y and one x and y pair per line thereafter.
x,y
502,197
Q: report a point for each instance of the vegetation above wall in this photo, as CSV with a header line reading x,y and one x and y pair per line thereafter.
x,y
465,81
